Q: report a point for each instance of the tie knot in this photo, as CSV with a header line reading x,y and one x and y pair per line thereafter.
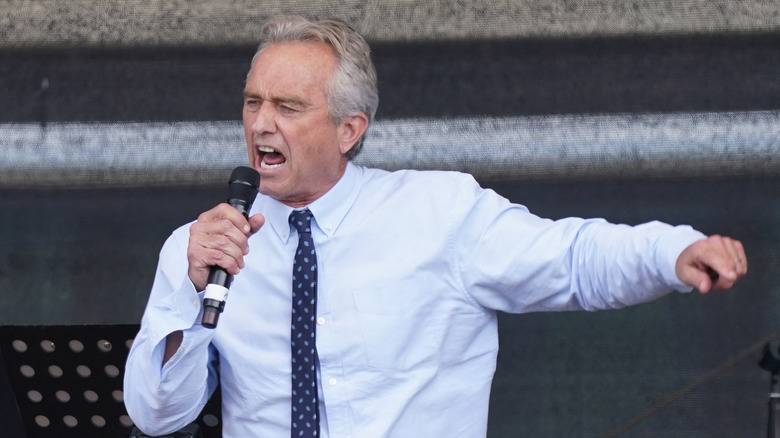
x,y
301,220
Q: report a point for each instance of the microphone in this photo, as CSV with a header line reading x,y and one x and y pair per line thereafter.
x,y
242,186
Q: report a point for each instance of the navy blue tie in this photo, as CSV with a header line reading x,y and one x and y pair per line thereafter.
x,y
305,415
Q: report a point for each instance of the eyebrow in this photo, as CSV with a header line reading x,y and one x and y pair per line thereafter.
x,y
277,100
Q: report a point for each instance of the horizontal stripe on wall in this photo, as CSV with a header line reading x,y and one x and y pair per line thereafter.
x,y
490,148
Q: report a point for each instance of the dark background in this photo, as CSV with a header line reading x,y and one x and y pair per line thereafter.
x,y
629,74
683,366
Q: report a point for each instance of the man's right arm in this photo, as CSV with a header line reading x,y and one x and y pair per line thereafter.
x,y
164,394
171,371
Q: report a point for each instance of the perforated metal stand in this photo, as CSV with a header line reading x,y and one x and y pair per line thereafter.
x,y
67,381
771,362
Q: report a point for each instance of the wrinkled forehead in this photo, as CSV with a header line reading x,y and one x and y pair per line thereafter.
x,y
292,72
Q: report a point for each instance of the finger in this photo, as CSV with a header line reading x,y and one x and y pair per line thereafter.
x,y
202,258
705,282
232,263
224,235
718,254
723,283
731,263
226,212
710,263
215,240
221,236
737,250
201,262
698,276
223,246
213,223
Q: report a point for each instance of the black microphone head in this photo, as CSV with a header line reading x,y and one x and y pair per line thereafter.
x,y
245,175
243,185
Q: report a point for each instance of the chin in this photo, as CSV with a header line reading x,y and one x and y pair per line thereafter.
x,y
268,190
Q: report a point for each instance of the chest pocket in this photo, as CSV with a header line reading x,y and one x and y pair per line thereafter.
x,y
399,325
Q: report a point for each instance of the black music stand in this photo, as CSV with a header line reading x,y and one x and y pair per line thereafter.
x,y
771,362
67,381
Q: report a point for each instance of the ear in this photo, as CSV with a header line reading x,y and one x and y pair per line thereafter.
x,y
350,130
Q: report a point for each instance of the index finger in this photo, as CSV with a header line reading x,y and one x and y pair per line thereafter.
x,y
226,211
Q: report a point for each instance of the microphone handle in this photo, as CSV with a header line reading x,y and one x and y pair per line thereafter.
x,y
215,295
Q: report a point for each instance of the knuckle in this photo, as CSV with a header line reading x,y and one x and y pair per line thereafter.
x,y
715,238
224,226
219,258
196,228
222,243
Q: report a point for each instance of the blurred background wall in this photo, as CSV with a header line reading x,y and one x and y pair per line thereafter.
x,y
119,121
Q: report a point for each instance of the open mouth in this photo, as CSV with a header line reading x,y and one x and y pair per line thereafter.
x,y
269,157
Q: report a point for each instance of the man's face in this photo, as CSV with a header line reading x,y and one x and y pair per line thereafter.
x,y
290,137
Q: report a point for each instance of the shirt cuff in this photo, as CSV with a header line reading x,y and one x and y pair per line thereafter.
x,y
178,310
668,251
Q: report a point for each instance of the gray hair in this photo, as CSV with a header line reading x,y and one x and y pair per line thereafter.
x,y
353,87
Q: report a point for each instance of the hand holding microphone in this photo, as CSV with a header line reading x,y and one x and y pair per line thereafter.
x,y
218,243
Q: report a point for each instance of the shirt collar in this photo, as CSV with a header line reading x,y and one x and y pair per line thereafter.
x,y
329,209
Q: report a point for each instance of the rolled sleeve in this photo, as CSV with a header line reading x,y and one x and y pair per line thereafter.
x,y
162,399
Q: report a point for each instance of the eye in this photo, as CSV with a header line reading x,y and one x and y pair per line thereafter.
x,y
252,104
287,109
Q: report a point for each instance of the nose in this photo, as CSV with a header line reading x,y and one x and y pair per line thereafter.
x,y
265,121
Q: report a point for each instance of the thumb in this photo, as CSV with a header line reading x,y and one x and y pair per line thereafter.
x,y
699,277
255,223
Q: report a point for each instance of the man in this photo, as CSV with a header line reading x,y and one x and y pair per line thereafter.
x,y
411,268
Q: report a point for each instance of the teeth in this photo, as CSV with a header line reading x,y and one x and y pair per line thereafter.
x,y
269,166
263,164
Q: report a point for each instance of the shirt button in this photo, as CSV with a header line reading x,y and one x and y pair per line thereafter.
x,y
320,321
195,303
328,227
332,381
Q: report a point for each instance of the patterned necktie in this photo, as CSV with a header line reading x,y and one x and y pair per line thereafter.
x,y
305,415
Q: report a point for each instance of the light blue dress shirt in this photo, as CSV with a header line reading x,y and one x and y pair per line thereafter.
x,y
412,269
